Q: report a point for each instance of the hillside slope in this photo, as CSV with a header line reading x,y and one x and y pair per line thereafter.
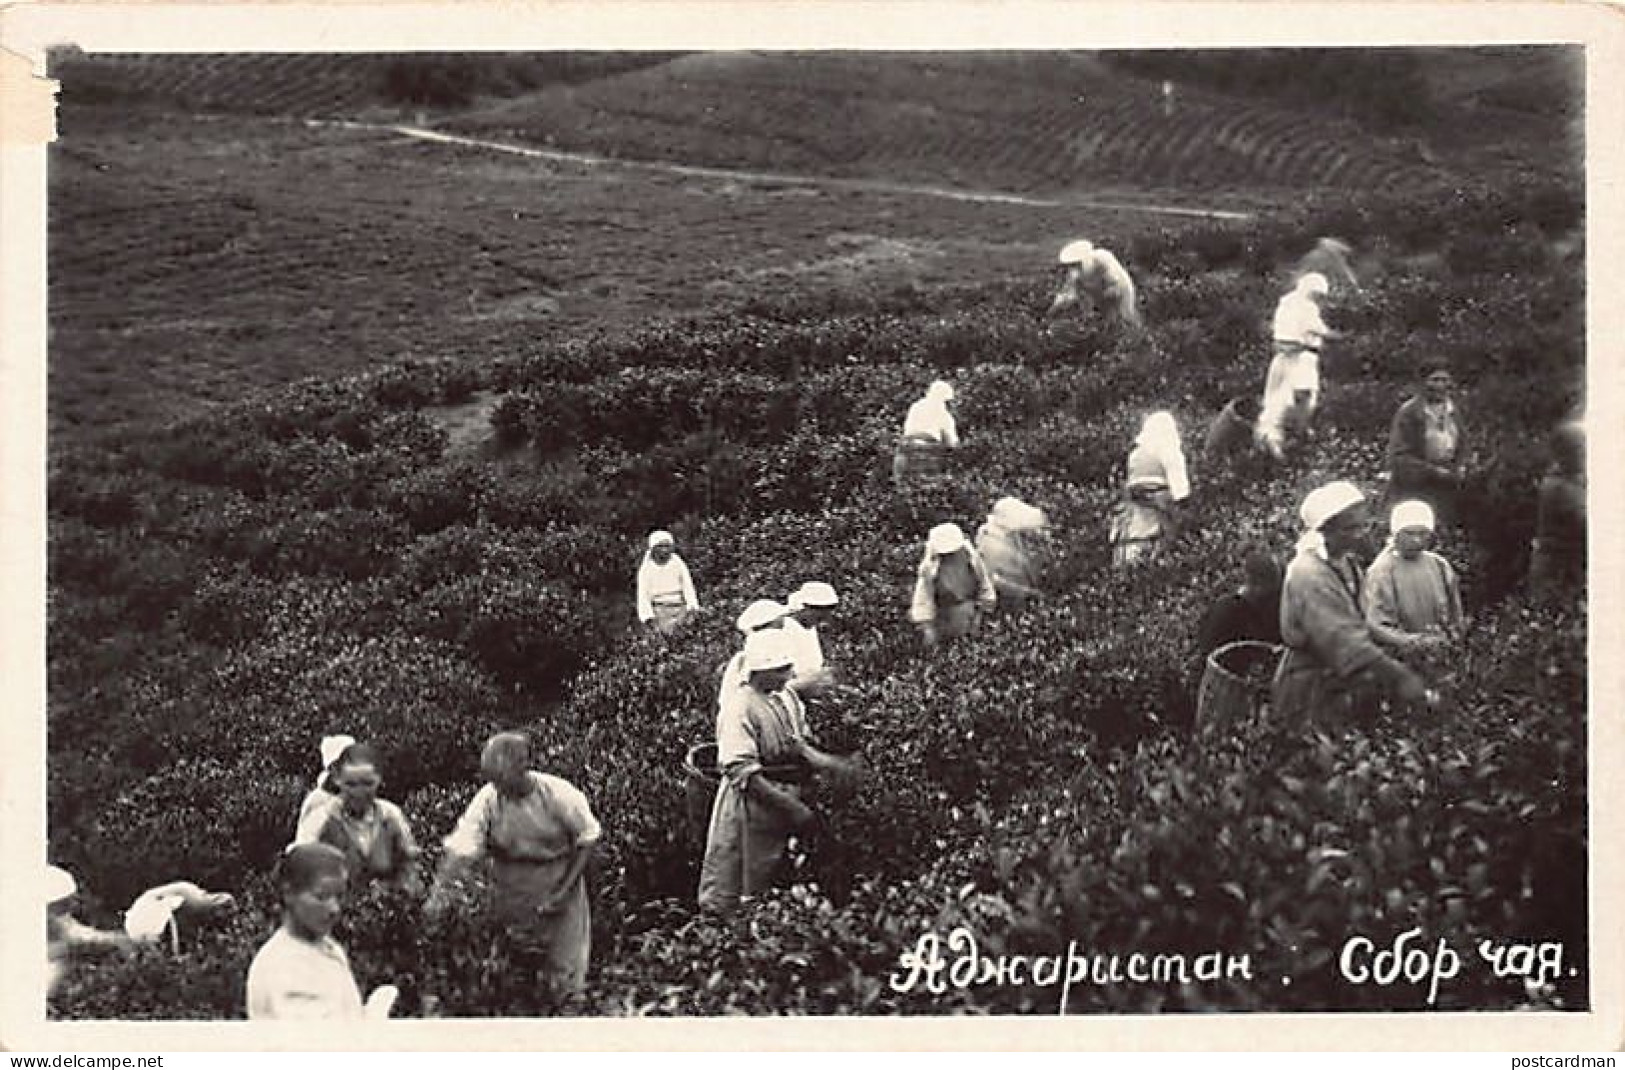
x,y
1050,121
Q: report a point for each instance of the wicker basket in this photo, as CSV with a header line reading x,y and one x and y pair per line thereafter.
x,y
700,780
1235,683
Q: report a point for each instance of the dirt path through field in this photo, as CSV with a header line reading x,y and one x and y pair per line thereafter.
x,y
778,178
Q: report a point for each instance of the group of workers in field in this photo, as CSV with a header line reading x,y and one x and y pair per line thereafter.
x,y
1349,637
1346,636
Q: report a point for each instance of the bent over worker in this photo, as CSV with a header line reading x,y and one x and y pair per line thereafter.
x,y
1093,276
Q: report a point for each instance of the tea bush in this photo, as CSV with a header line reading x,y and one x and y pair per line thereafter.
x,y
225,590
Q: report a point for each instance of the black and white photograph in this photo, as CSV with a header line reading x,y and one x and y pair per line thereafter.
x,y
1085,528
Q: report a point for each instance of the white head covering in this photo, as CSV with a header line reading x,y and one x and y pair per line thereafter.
x,y
1159,433
1323,503
1319,506
332,747
657,538
945,539
59,885
768,650
1013,514
759,614
1411,514
813,593
940,390
1313,282
1077,252
151,914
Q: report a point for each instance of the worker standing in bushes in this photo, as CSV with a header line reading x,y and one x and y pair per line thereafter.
x,y
1002,540
373,833
929,433
665,591
810,605
1413,602
1093,277
539,833
952,588
1299,331
1426,444
1557,560
301,973
764,751
326,790
1333,667
1156,487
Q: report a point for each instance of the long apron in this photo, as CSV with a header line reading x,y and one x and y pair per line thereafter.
x,y
1139,523
747,843
531,849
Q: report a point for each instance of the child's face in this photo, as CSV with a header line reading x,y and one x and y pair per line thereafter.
x,y
358,786
1412,541
313,910
661,553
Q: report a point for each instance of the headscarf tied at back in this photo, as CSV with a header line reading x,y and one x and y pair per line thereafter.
x,y
1014,515
1319,506
1159,435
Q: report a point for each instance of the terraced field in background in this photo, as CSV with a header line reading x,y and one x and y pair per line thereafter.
x,y
197,252
316,84
1046,122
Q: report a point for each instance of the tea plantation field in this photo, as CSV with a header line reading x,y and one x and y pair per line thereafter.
x,y
356,433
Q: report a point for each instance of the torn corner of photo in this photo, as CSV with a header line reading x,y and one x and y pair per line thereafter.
x,y
27,96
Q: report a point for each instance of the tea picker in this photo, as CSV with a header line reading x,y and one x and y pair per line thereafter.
x,y
1094,277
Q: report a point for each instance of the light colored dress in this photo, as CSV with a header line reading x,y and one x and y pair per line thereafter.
x,y
747,840
531,842
1298,322
666,593
1010,562
1102,278
295,979
1145,515
930,433
1406,599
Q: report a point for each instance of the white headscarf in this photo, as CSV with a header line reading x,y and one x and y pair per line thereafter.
x,y
1408,514
1159,435
759,614
1313,283
1319,506
945,539
1015,515
1077,252
1411,514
